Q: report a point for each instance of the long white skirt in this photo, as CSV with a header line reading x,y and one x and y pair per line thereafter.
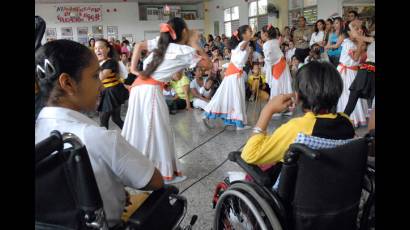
x,y
228,103
147,128
359,113
283,85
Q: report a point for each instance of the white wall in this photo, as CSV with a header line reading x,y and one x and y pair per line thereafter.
x,y
126,18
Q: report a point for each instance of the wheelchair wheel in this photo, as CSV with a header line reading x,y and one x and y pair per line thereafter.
x,y
241,207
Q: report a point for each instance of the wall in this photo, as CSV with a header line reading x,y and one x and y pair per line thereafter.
x,y
126,18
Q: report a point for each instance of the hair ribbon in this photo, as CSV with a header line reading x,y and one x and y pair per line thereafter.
x,y
166,28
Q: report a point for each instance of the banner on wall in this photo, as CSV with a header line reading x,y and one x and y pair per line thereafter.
x,y
76,14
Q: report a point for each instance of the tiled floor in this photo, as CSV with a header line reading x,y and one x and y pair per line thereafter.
x,y
202,150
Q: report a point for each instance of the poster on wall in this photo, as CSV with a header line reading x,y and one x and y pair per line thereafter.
x,y
128,37
83,40
82,31
66,31
77,14
51,32
112,31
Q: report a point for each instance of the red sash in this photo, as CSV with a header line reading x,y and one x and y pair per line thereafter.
x,y
278,68
148,81
232,69
344,67
368,67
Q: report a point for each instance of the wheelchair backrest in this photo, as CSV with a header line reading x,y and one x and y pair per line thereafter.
x,y
66,190
322,188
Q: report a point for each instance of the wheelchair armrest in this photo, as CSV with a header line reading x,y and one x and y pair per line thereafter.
x,y
151,204
49,145
254,171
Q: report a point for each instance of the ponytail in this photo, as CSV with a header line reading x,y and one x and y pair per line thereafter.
x,y
176,26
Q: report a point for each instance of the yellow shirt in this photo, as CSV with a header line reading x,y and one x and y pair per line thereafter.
x,y
252,77
178,86
267,149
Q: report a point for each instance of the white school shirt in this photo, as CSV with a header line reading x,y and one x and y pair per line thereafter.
x,y
170,93
177,57
115,162
290,54
122,70
315,38
238,56
204,92
371,55
345,58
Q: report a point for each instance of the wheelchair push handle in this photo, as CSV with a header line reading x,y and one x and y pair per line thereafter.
x,y
254,171
303,149
49,145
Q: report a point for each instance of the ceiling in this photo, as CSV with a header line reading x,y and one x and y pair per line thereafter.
x,y
119,1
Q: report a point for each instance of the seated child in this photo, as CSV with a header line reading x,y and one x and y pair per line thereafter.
x,y
314,54
295,65
317,88
206,90
170,97
257,84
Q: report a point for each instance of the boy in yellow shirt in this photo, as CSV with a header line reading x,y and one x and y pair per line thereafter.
x,y
317,87
257,84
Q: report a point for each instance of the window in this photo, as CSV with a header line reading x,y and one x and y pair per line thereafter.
x,y
306,8
258,14
231,20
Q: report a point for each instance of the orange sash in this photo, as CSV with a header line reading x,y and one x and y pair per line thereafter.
x,y
368,67
278,68
344,67
232,69
148,81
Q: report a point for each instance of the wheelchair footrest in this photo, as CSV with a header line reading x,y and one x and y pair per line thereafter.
x,y
161,210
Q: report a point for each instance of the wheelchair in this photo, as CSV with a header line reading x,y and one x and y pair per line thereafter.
x,y
67,196
316,190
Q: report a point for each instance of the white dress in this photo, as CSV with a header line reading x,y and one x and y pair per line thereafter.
x,y
273,56
359,114
228,102
147,126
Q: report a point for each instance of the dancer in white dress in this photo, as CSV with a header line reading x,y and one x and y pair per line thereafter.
x,y
348,67
228,103
147,126
276,69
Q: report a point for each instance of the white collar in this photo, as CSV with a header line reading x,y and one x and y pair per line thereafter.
x,y
60,113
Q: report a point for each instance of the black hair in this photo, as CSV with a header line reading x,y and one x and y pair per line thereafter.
x,y
178,24
113,52
210,38
356,15
298,57
303,18
209,79
206,45
330,20
285,44
346,30
255,63
220,39
57,57
319,86
272,32
235,40
40,28
316,29
341,24
278,32
89,41
214,48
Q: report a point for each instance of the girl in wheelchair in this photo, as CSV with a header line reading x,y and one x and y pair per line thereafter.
x,y
317,88
68,77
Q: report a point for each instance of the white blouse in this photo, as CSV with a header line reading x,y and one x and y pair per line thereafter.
x,y
272,51
347,47
177,57
316,37
239,57
115,162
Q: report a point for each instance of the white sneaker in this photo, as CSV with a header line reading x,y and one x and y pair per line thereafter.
x,y
287,114
176,179
276,115
246,127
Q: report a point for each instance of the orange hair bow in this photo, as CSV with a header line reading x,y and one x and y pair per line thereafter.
x,y
166,28
269,26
